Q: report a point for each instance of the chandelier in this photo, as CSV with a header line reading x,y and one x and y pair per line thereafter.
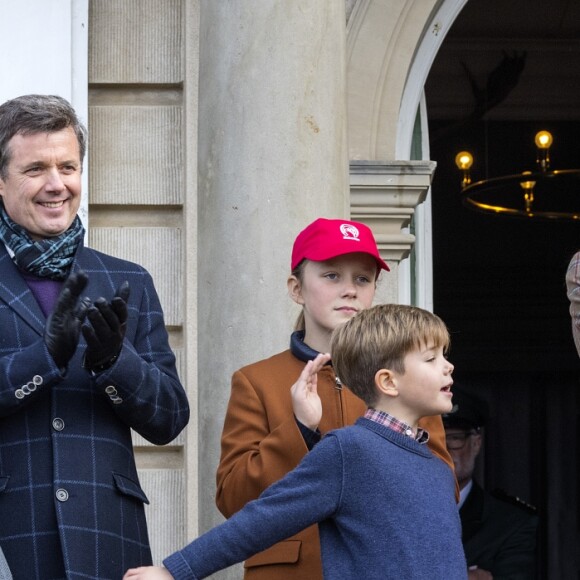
x,y
542,193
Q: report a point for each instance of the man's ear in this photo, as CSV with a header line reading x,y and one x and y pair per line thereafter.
x,y
385,383
476,443
295,289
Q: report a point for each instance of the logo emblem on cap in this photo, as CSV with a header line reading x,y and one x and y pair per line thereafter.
x,y
349,232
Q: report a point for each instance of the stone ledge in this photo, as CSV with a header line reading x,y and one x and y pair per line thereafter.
x,y
384,195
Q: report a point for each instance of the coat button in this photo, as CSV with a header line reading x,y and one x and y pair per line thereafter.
x,y
58,424
37,380
19,394
110,390
62,494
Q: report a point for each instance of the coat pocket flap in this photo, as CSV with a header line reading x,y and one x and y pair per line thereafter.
x,y
286,552
129,487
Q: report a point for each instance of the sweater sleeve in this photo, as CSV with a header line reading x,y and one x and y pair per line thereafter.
x,y
254,454
309,494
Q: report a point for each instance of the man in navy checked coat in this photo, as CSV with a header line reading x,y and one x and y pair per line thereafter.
x,y
84,358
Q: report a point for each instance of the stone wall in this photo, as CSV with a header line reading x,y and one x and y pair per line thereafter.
x,y
140,196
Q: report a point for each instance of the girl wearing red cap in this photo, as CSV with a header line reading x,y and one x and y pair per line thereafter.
x,y
280,407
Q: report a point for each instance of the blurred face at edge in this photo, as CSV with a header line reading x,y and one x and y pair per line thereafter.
x,y
463,458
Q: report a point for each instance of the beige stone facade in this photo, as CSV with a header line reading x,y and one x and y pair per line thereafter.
x,y
143,203
217,131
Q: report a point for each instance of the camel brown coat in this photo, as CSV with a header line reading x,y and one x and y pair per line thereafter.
x,y
261,442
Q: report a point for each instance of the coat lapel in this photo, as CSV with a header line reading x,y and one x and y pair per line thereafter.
x,y
471,512
14,292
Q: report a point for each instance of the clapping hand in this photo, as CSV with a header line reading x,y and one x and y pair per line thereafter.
x,y
64,323
106,331
304,392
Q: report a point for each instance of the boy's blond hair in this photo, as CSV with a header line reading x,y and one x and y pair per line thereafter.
x,y
380,338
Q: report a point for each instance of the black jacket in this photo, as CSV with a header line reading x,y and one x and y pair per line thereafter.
x,y
499,535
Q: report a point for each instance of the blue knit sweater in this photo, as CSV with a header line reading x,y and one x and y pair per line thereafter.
x,y
385,506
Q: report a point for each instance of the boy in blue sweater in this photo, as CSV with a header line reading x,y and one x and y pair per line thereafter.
x,y
384,504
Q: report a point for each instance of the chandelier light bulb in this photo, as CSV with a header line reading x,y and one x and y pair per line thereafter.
x,y
464,160
545,193
543,139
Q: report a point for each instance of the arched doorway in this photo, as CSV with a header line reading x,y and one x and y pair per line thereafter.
x,y
499,282
499,285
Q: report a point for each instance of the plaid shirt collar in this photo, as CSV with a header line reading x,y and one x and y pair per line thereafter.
x,y
393,423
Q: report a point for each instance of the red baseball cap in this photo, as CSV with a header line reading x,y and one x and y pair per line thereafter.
x,y
325,239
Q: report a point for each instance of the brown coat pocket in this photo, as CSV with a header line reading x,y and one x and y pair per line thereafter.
x,y
287,552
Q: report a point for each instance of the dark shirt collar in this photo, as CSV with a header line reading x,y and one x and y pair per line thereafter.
x,y
299,348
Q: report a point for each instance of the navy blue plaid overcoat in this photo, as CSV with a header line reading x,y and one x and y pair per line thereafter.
x,y
71,505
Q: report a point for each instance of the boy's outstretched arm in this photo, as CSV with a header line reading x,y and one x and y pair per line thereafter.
x,y
306,403
148,573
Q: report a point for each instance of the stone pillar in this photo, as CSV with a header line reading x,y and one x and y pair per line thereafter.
x,y
272,157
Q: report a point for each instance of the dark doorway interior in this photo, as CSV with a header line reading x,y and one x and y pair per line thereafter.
x,y
499,285
499,281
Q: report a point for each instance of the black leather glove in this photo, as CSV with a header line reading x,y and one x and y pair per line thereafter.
x,y
105,334
63,326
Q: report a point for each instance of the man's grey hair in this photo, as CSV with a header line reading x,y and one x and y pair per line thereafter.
x,y
32,114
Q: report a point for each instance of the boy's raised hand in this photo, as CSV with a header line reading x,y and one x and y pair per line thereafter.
x,y
148,573
305,400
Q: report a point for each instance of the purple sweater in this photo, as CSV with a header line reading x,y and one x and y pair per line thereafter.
x,y
45,291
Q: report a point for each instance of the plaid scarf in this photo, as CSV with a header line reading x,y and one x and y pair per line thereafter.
x,y
48,258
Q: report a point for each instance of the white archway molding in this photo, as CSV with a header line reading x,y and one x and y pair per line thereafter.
x,y
413,100
382,38
391,45
429,44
